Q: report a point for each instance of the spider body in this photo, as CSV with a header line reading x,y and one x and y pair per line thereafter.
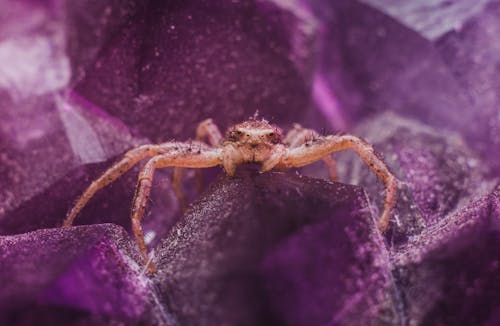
x,y
253,141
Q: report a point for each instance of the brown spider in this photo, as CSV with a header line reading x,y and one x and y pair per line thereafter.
x,y
253,141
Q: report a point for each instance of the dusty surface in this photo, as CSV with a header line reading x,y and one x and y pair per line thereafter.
x,y
83,82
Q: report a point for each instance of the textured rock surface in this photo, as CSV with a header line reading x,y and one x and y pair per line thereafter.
x,y
78,275
260,249
389,66
374,64
450,274
473,57
438,173
82,82
186,61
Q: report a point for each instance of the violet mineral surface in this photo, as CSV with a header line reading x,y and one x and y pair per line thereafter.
x,y
81,82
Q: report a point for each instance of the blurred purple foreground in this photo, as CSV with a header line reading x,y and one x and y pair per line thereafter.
x,y
81,82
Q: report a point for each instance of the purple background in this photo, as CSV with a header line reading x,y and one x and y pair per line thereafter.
x,y
81,82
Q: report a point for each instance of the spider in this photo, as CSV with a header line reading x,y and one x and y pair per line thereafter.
x,y
253,141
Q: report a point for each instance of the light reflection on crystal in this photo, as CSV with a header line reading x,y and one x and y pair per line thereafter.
x,y
32,65
81,135
141,76
431,18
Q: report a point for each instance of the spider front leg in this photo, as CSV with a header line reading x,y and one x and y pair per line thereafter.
x,y
206,129
130,159
299,136
322,146
186,157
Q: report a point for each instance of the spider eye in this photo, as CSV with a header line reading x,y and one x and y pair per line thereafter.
x,y
274,137
234,135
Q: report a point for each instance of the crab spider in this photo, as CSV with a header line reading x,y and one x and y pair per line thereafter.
x,y
253,141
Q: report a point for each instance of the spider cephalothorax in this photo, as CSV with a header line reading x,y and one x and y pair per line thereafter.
x,y
254,133
253,141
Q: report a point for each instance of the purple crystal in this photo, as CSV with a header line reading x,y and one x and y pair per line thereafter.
x,y
450,274
437,173
473,58
81,82
287,249
431,18
85,274
375,64
172,66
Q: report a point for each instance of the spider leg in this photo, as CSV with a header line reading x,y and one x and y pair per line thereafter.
x,y
130,159
177,175
206,129
323,146
183,157
299,135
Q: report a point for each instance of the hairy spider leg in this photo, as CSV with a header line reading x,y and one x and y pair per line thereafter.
x,y
187,158
207,129
322,146
131,158
299,135
177,176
